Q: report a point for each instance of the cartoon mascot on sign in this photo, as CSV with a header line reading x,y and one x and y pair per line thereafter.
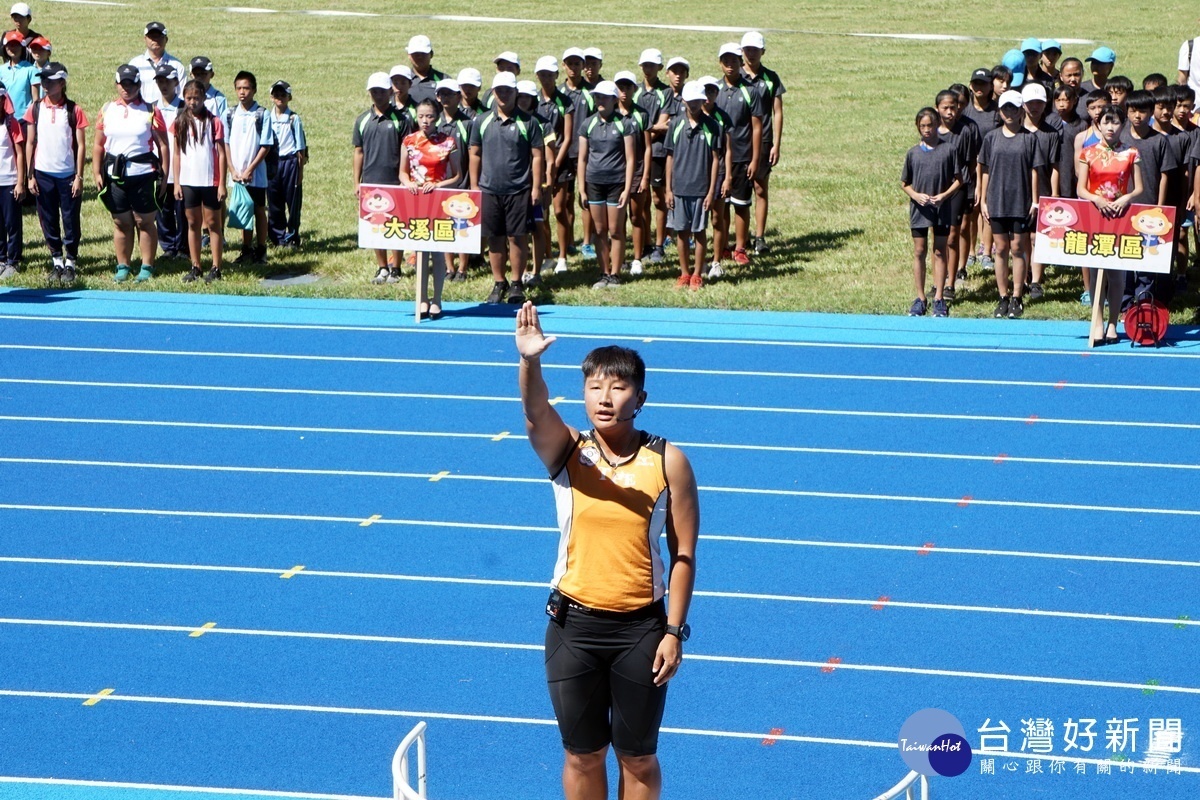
x,y
1154,227
461,209
1056,220
376,208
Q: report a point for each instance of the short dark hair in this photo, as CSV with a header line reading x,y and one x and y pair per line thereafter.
x,y
1096,95
1163,96
1003,72
1183,94
1070,60
961,90
1120,82
246,76
945,94
1140,100
1112,113
1154,78
1065,90
616,362
928,113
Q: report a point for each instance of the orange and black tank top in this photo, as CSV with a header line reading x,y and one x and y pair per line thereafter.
x,y
611,517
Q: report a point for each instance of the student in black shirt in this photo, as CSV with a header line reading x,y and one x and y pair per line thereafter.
x,y
931,176
1049,142
606,165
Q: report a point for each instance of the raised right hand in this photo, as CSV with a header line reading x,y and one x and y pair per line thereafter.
x,y
531,342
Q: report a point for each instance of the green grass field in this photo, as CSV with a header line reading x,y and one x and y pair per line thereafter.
x,y
838,217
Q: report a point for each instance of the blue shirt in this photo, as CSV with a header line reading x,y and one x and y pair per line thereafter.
x,y
19,79
288,132
246,130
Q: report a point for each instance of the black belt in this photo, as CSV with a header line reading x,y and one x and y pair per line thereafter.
x,y
655,609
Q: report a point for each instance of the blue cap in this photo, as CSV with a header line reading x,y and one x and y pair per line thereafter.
x,y
1032,43
1051,44
1104,55
1015,61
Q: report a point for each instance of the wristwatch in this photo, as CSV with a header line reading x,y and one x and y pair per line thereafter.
x,y
681,632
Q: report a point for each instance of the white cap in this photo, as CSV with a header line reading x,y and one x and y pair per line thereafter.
x,y
606,88
624,75
677,61
546,64
650,56
708,80
509,56
504,80
447,83
1011,98
402,70
572,52
754,39
692,90
730,48
470,76
593,52
1033,91
21,9
420,44
527,87
379,80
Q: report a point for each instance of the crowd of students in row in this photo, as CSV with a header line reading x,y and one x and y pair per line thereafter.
x,y
662,156
1032,127
162,153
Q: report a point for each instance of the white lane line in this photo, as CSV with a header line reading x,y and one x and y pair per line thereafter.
x,y
432,330
1056,385
530,647
1082,462
834,412
426,476
542,585
161,787
357,521
937,549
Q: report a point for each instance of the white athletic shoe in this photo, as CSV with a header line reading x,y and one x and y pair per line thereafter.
x,y
636,267
561,266
715,271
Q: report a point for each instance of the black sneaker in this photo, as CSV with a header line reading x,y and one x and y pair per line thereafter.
x,y
193,275
214,274
515,294
760,246
962,274
55,275
497,293
393,275
260,257
246,257
1015,308
948,294
68,275
1035,291
1001,308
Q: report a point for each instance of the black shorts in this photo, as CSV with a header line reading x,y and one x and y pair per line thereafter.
x,y
639,172
658,170
137,194
1008,226
958,203
505,214
258,194
604,194
598,669
939,232
566,172
742,190
196,196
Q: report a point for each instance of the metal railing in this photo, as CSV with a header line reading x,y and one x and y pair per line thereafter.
x,y
401,787
907,788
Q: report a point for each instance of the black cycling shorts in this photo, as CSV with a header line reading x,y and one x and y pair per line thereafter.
x,y
197,196
1009,226
598,669
138,193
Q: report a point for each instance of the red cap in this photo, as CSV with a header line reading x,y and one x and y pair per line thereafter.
x,y
42,42
14,36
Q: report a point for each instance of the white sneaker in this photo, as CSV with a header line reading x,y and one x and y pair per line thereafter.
x,y
715,271
56,262
636,267
561,266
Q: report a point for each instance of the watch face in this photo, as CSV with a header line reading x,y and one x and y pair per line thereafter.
x,y
685,632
